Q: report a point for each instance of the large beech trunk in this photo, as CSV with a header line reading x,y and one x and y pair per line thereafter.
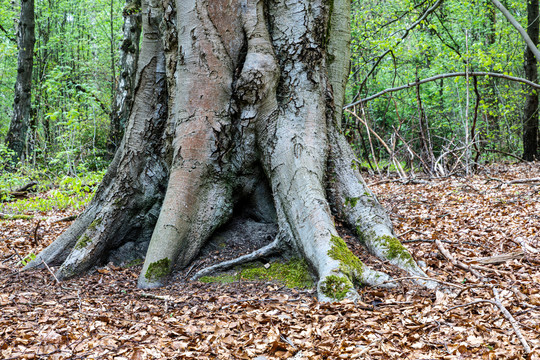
x,y
252,95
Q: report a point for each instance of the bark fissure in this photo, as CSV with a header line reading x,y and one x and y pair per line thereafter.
x,y
255,91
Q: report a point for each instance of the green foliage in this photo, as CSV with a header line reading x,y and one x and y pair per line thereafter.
x,y
27,259
457,36
74,77
65,193
293,274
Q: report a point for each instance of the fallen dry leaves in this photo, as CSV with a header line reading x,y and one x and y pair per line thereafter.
x,y
104,315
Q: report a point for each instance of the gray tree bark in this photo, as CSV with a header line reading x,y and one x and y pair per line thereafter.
x,y
129,55
250,101
16,136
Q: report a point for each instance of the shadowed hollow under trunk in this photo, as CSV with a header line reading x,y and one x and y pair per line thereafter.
x,y
236,103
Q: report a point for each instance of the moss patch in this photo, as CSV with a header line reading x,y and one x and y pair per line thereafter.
x,y
351,201
336,287
222,279
158,269
395,249
16,217
83,242
95,223
350,265
293,274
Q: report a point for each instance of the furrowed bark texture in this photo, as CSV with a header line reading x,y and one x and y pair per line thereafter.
x,y
16,136
254,90
119,220
129,55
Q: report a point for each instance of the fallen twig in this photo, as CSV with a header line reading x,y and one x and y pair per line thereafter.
x,y
498,259
497,302
67,218
513,321
455,262
421,278
48,268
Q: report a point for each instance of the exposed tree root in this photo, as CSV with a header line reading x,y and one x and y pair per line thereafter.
x,y
252,105
268,250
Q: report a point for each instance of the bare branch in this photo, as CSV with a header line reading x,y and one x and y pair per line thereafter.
x,y
444,76
518,27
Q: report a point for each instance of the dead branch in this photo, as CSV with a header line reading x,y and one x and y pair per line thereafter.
x,y
455,262
67,218
523,181
421,278
511,319
497,302
265,251
36,243
48,268
26,187
519,28
497,259
443,76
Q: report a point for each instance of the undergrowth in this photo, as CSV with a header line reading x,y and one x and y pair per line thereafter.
x,y
60,192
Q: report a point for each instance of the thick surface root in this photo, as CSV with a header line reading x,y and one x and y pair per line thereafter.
x,y
360,209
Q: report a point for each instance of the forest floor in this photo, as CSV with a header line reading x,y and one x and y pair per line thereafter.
x,y
104,315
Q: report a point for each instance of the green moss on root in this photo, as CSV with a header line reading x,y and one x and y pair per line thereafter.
x,y
351,201
83,242
293,274
336,287
95,224
395,249
158,269
350,265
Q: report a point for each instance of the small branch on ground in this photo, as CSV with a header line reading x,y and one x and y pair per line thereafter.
x,y
455,262
498,259
67,218
257,254
497,302
422,278
511,319
52,273
35,232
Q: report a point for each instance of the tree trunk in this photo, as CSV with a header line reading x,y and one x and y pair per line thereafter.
x,y
16,136
250,101
530,114
129,54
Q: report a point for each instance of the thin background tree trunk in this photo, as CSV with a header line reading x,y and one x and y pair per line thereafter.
x,y
530,114
16,136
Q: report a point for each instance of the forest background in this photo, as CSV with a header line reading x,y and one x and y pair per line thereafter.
x,y
445,126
